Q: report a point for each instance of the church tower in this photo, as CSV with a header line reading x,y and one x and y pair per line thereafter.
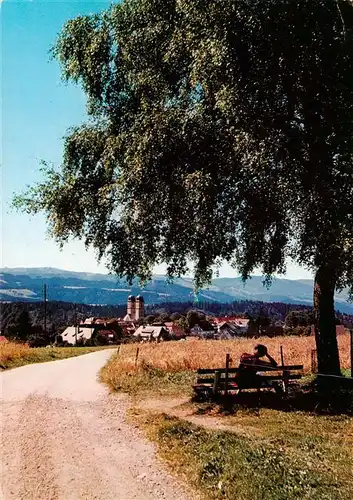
x,y
131,307
140,307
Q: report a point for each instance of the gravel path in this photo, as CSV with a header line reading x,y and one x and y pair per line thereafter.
x,y
64,437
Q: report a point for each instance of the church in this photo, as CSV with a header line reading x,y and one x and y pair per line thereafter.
x,y
135,308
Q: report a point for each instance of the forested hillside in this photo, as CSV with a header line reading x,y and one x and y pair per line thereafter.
x,y
23,285
58,314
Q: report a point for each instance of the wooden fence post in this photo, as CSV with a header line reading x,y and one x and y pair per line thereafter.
x,y
352,353
217,378
313,361
137,355
227,373
285,373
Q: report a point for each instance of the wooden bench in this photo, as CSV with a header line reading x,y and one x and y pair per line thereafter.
x,y
211,382
336,381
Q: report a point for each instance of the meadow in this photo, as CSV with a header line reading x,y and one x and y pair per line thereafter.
x,y
170,366
193,354
270,455
13,355
243,451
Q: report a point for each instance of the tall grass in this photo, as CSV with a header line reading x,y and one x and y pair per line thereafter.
x,y
13,355
169,366
277,455
194,354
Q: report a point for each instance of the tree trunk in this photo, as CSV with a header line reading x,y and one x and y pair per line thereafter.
x,y
325,322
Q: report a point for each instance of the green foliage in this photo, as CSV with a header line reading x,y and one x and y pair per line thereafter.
x,y
299,318
219,130
183,323
97,339
148,320
192,318
38,340
175,316
194,105
197,318
258,324
22,328
299,331
163,318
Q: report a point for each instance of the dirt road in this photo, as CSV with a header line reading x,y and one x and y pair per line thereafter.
x,y
64,437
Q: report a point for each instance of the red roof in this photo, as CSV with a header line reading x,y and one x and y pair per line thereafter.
x,y
100,321
104,321
231,319
174,329
340,329
106,333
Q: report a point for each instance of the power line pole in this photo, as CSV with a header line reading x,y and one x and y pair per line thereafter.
x,y
76,327
45,307
351,352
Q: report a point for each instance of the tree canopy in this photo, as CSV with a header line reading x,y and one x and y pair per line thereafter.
x,y
299,318
218,130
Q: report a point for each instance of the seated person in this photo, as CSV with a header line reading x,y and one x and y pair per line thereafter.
x,y
249,364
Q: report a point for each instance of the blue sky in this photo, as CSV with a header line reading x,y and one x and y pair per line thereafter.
x,y
37,109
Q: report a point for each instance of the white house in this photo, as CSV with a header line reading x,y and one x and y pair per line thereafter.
x,y
152,333
197,331
241,324
74,333
228,330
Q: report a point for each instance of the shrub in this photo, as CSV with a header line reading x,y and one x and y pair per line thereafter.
x,y
38,341
298,331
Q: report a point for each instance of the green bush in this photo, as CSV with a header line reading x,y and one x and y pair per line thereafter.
x,y
298,331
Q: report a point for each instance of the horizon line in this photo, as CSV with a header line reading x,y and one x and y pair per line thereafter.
x,y
28,268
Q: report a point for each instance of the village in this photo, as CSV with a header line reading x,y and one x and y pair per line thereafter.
x,y
135,326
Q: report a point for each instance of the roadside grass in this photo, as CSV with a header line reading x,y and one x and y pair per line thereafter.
x,y
121,375
270,452
282,456
169,368
13,355
193,354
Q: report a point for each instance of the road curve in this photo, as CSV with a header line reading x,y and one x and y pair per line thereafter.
x,y
63,437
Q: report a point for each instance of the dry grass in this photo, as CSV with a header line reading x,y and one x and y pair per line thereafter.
x,y
284,455
13,355
194,354
169,367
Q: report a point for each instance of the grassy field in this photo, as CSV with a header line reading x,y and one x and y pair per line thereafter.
x,y
168,367
14,355
277,456
271,451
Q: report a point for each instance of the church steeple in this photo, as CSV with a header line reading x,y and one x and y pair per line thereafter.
x,y
140,307
131,307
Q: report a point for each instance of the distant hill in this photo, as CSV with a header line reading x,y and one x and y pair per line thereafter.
x,y
22,284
